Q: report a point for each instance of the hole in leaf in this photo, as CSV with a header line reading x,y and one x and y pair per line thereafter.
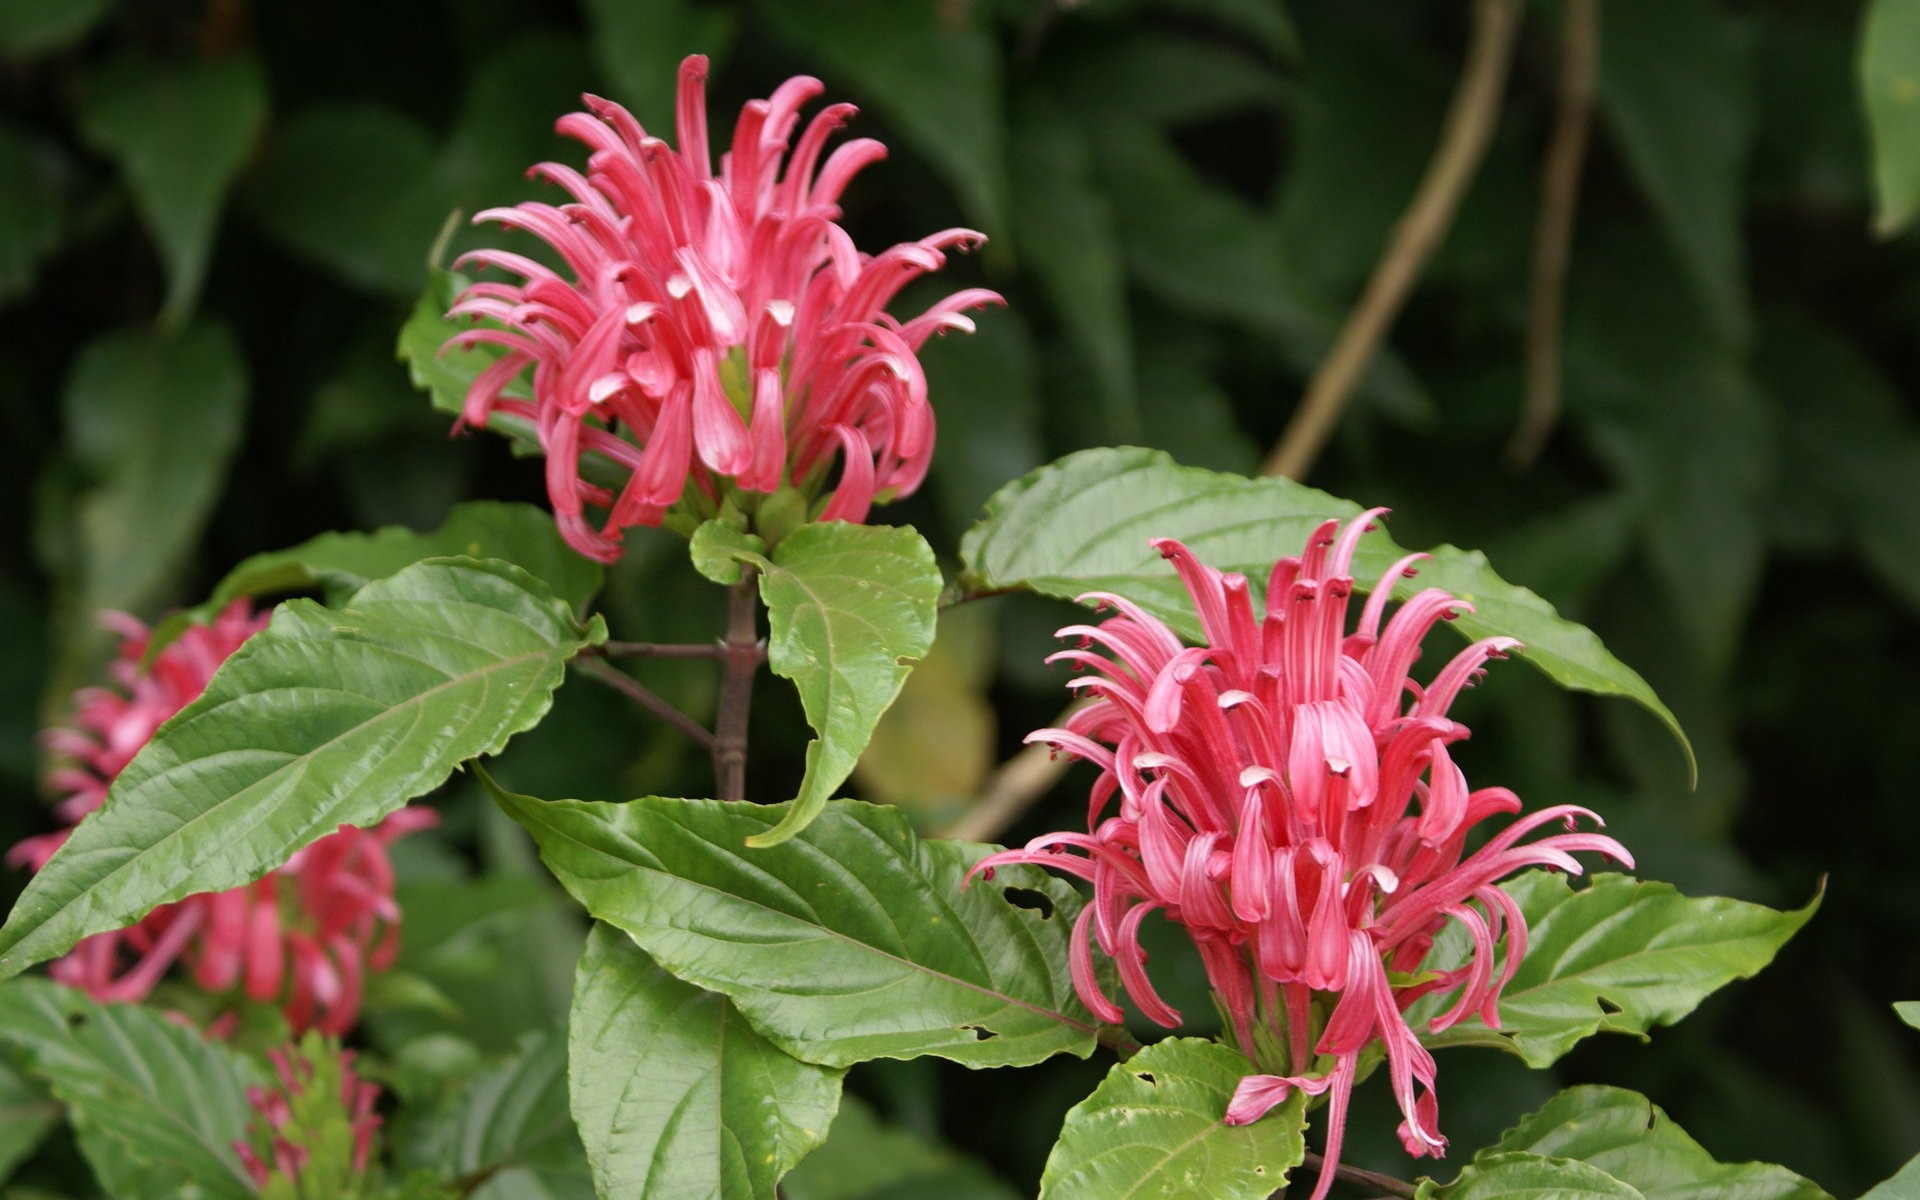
x,y
1609,1007
981,1033
1039,902
1146,1076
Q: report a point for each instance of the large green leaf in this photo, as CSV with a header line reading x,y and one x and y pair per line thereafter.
x,y
1616,956
1504,1176
507,1135
152,423
180,132
676,1096
850,609
340,564
37,26
1202,249
1155,1129
33,183
865,1159
1676,89
987,389
356,188
137,1086
930,70
1082,524
1067,235
27,1114
1625,1135
1905,1184
853,940
1890,83
325,718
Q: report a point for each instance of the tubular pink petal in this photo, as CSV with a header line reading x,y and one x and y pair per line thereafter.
x,y
1080,967
1132,961
854,494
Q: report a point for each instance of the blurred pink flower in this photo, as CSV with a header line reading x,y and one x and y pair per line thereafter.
x,y
281,1108
717,329
303,937
1286,795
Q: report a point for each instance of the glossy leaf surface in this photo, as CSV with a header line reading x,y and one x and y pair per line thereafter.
x,y
1631,1139
325,718
1616,956
676,1096
1155,1129
853,940
1083,523
155,1096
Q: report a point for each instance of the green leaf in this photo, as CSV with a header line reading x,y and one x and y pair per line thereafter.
x,y
509,1127
180,132
1625,1135
1617,956
1676,89
639,47
1905,1184
850,608
1504,1176
136,1086
853,940
718,549
33,192
1908,1011
325,718
445,376
356,188
340,564
1202,249
1169,78
1082,524
152,423
30,27
1155,1128
27,1114
930,70
1067,235
864,1159
987,389
675,1094
1890,85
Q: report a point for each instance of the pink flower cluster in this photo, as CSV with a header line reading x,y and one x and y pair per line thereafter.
x,y
277,1108
304,937
717,328
1286,794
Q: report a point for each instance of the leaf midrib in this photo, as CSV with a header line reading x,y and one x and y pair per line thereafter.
x,y
143,855
1056,1016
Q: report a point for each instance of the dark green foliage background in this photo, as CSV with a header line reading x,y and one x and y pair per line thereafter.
x,y
1184,196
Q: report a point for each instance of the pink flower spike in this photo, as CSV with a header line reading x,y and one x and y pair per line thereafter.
x,y
695,298
1287,795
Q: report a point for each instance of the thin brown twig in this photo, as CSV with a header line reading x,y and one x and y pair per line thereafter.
x,y
1011,790
1553,233
639,693
1471,117
741,656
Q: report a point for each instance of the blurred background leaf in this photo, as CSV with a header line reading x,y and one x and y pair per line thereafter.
x,y
1185,196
